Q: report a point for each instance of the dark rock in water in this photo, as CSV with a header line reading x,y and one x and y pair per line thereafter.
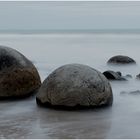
x,y
119,73
120,59
138,76
137,92
18,76
111,75
128,76
75,85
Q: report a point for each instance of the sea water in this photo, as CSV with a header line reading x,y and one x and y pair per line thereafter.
x,y
24,119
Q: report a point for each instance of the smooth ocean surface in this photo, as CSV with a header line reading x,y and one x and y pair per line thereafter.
x,y
24,119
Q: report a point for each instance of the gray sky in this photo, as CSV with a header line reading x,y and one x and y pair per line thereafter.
x,y
69,15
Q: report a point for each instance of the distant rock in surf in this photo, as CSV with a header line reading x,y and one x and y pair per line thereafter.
x,y
121,59
111,75
75,86
18,76
136,92
128,76
118,72
138,76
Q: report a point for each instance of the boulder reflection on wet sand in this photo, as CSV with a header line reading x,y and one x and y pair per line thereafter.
x,y
32,122
79,124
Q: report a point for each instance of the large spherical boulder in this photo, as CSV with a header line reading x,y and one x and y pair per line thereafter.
x,y
75,85
121,59
18,76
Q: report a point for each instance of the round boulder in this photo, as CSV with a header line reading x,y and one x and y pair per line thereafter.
x,y
18,76
75,85
120,59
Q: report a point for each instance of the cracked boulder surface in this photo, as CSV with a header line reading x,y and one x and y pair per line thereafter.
x,y
75,85
18,76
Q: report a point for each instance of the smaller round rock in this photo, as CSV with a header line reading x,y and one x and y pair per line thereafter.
x,y
111,75
75,85
121,59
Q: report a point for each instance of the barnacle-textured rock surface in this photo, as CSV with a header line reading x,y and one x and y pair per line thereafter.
x,y
75,85
18,76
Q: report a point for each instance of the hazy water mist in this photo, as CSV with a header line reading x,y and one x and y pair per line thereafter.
x,y
23,119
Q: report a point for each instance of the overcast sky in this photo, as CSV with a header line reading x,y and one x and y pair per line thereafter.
x,y
69,15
